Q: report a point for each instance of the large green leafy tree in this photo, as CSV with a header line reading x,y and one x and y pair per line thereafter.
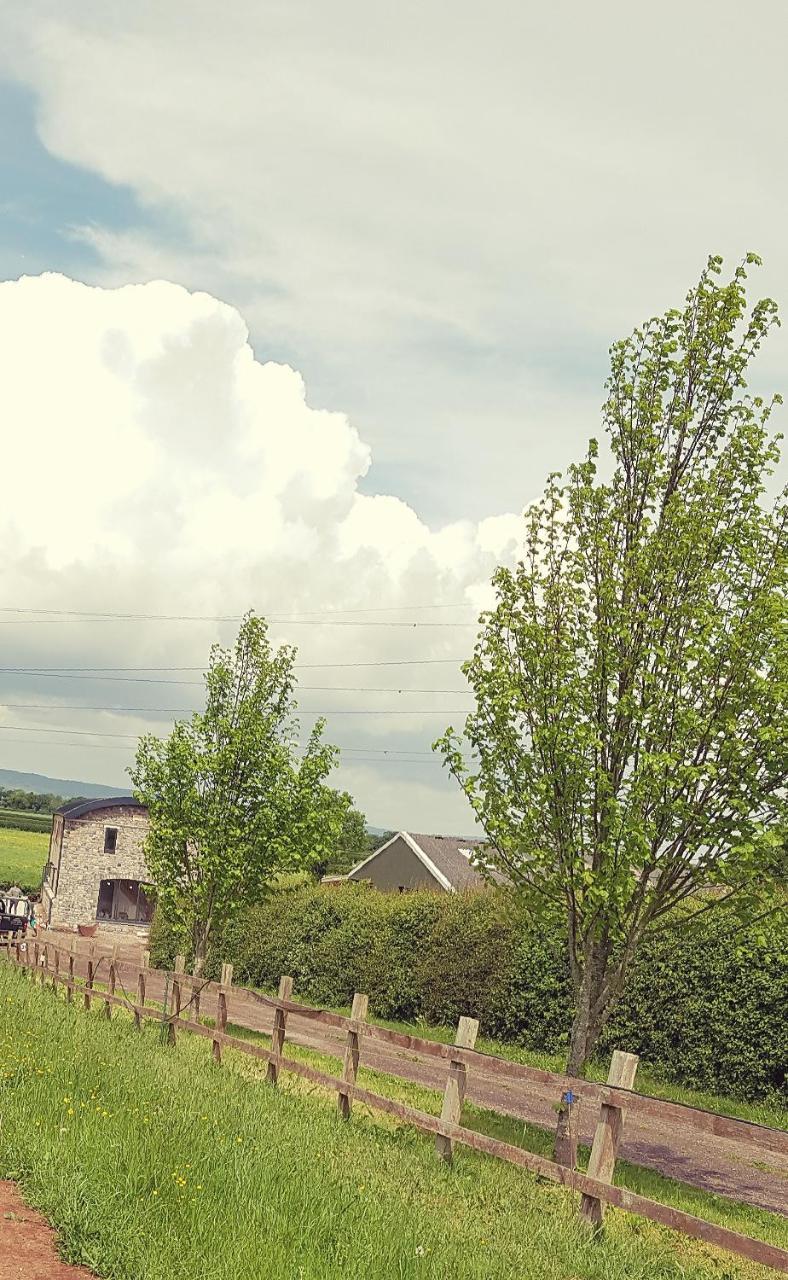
x,y
351,845
628,749
232,799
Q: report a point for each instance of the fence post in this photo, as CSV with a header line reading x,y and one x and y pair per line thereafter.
x,y
358,1013
221,1010
195,1000
179,967
56,972
89,979
70,983
608,1134
44,966
465,1038
110,989
140,996
175,1002
278,1033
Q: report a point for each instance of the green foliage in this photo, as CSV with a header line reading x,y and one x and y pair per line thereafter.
x,y
630,736
353,837
231,803
24,820
351,845
30,801
703,1007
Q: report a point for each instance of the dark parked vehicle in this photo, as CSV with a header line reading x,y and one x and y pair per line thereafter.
x,y
15,913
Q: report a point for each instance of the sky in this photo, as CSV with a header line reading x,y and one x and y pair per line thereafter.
x,y
301,303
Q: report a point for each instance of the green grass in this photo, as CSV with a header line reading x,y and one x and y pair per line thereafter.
x,y
647,1182
23,855
152,1162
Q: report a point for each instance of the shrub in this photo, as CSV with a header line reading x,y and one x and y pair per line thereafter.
x,y
706,1009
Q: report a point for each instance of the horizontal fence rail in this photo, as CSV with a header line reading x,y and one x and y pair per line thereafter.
x,y
184,994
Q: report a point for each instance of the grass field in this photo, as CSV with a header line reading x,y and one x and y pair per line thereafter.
x,y
647,1182
152,1162
23,855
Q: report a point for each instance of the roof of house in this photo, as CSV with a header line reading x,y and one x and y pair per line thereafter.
x,y
450,854
447,858
78,808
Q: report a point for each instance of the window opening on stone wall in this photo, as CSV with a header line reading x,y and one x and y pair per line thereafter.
x,y
124,902
110,839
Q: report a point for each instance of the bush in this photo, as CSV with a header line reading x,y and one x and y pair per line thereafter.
x,y
17,821
706,1009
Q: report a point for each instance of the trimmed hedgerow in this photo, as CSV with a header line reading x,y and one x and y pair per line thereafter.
x,y
705,1008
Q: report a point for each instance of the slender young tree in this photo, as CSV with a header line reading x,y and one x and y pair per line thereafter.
x,y
232,800
628,750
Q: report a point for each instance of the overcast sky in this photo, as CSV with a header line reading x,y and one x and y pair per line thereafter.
x,y
334,289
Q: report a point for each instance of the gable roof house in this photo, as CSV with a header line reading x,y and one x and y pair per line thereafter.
x,y
411,861
96,871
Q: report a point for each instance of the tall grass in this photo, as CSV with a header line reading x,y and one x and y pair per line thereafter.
x,y
154,1163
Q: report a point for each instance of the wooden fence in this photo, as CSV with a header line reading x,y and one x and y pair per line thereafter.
x,y
183,992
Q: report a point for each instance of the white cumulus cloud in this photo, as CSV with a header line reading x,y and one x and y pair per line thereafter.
x,y
154,465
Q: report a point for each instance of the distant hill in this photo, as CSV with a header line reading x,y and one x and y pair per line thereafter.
x,y
65,787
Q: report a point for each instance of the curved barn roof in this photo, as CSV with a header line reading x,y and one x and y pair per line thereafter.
x,y
78,808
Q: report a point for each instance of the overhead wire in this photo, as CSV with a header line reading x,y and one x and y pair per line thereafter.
x,y
298,666
304,688
229,617
313,617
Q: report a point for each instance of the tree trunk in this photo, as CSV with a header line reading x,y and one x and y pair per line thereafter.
x,y
586,1027
200,934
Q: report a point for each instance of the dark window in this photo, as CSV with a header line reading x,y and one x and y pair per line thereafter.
x,y
110,839
106,893
126,901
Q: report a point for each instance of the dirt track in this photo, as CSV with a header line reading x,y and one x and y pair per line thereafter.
x,y
27,1243
712,1164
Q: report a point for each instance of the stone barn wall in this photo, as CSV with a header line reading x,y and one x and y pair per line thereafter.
x,y
84,864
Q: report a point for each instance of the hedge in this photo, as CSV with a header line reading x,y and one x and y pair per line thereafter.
x,y
16,820
705,1008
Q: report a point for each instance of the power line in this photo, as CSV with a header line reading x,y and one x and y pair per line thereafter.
x,y
367,751
80,706
96,733
64,675
89,746
310,618
48,728
304,688
97,673
229,617
276,621
423,758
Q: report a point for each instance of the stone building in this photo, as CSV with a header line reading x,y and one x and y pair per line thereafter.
x,y
96,872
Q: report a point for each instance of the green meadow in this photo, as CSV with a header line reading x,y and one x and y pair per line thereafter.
x,y
153,1162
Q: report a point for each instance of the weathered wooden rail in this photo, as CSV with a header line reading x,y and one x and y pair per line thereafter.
x,y
185,992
